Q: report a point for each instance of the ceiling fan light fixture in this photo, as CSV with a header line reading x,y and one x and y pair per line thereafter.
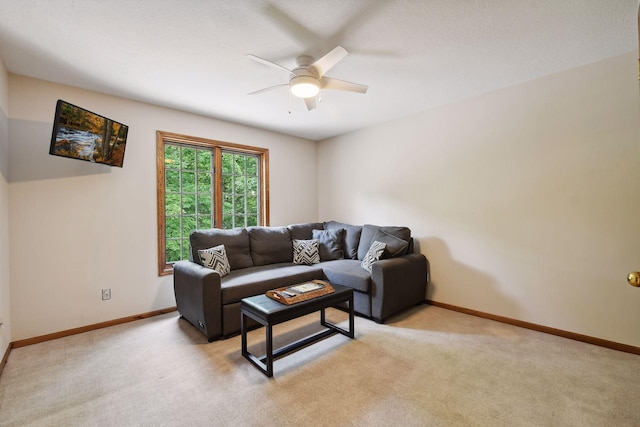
x,y
304,86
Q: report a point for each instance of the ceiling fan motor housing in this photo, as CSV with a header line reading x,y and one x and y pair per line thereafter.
x,y
305,82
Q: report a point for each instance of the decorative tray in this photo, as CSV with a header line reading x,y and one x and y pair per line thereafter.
x,y
301,292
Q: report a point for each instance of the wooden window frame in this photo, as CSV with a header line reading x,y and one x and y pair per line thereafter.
x,y
164,267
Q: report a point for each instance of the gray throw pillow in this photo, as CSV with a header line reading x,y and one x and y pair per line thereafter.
x,y
330,243
395,245
351,237
369,231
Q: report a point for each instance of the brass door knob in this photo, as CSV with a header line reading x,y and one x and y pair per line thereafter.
x,y
634,278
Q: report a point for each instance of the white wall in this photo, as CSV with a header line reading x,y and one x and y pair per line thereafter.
x,y
525,200
5,329
78,227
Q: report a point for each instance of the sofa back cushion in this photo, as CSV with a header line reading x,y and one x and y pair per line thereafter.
x,y
270,245
351,237
235,241
304,231
396,238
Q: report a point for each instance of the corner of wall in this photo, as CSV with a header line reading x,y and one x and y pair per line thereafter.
x,y
5,329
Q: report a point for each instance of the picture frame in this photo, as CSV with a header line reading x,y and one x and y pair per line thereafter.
x,y
84,135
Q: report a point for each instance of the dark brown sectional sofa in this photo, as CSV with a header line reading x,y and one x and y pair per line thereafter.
x,y
261,258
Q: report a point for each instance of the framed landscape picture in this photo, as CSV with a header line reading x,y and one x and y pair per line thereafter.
x,y
83,135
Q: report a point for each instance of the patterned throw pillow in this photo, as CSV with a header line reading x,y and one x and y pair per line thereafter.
x,y
216,259
306,252
373,254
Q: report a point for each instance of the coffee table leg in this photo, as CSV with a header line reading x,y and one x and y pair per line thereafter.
x,y
352,329
349,333
243,333
269,344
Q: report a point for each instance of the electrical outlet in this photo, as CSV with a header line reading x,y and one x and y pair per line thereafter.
x,y
106,294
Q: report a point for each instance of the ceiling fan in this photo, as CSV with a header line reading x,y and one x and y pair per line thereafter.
x,y
306,80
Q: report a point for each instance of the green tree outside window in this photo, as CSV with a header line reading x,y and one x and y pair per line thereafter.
x,y
196,196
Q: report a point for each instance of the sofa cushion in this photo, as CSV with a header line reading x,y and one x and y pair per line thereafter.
x,y
347,272
258,280
351,237
395,245
270,245
305,252
330,243
373,254
216,259
235,241
369,232
303,231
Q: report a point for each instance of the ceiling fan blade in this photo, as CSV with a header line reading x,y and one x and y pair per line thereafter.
x,y
327,62
267,89
268,63
311,102
330,83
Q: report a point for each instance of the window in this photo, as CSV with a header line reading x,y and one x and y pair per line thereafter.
x,y
203,184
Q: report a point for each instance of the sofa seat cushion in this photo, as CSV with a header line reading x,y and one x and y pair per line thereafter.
x,y
257,280
347,272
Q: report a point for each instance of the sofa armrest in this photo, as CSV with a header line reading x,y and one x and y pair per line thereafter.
x,y
198,297
397,284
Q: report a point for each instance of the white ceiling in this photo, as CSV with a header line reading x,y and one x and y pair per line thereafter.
x,y
413,54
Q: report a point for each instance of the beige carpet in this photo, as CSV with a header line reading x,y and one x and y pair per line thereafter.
x,y
428,367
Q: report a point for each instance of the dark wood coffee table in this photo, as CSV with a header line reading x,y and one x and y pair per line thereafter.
x,y
268,312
